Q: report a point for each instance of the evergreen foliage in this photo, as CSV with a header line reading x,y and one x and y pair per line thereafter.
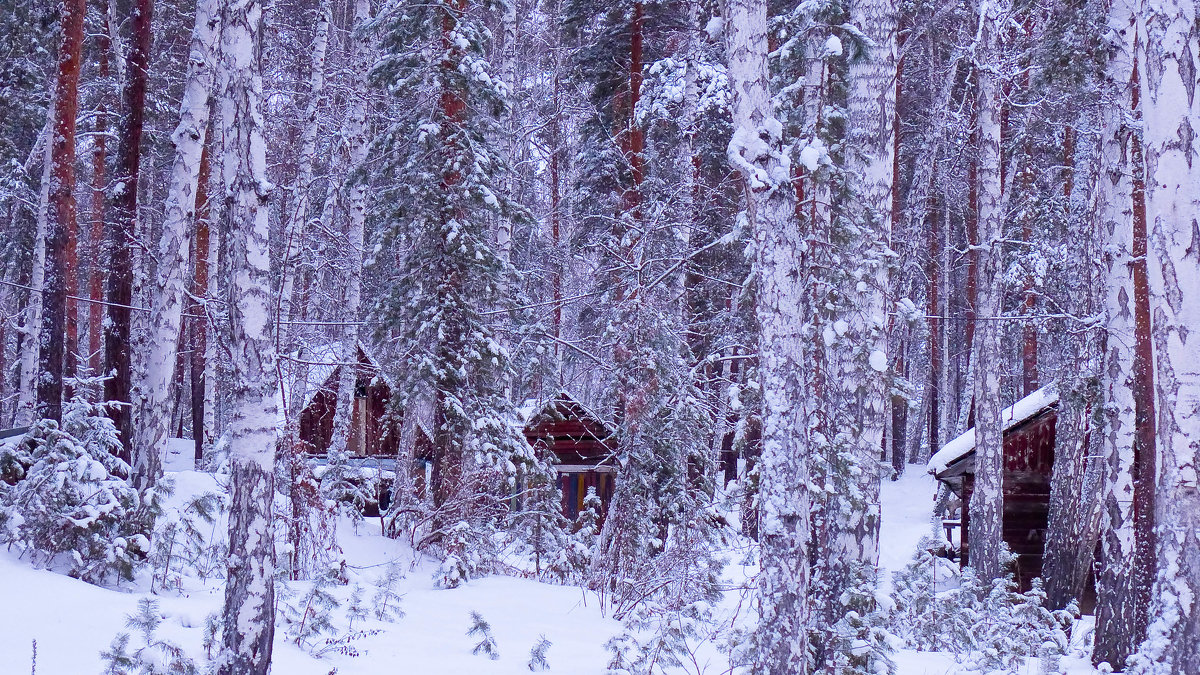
x,y
385,603
70,502
990,627
537,655
482,630
152,655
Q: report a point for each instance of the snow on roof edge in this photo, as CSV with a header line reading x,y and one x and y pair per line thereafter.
x,y
1010,417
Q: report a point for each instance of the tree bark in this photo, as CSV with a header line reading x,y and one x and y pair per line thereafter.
x,y
123,226
355,133
1123,581
61,220
99,184
153,386
249,613
756,152
198,311
859,358
987,500
1172,139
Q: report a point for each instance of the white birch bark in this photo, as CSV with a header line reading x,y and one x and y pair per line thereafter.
x,y
1114,581
1171,134
249,612
151,393
298,224
987,501
32,325
356,215
756,151
211,346
863,356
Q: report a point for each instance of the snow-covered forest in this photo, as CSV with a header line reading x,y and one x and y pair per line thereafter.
x,y
599,337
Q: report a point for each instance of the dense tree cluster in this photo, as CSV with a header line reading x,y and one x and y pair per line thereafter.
x,y
785,249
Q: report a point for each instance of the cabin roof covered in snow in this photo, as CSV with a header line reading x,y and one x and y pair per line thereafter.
x,y
322,360
1010,417
533,408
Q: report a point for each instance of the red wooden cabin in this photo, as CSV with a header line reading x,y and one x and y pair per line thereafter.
x,y
1029,435
582,442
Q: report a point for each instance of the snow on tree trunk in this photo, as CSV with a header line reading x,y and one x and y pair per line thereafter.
x,y
298,223
861,354
249,614
99,182
987,500
60,217
756,151
1171,113
122,235
32,324
1123,582
355,134
153,386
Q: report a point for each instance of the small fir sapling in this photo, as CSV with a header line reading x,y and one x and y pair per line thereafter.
x,y
355,609
385,604
154,656
71,502
213,623
184,540
576,556
537,655
313,616
483,630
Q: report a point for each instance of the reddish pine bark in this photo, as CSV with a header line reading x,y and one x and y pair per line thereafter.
x,y
197,316
117,331
61,220
1145,467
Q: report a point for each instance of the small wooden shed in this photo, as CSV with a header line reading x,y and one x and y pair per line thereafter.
x,y
1029,436
375,428
583,444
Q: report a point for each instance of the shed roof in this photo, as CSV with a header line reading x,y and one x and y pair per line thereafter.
x,y
1022,410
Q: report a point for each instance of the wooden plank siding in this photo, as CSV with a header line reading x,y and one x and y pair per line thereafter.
x,y
1028,469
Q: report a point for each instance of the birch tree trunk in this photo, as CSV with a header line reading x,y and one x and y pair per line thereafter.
x,y
152,390
32,323
297,225
99,182
863,359
249,613
987,500
356,212
1123,582
1171,129
61,213
756,151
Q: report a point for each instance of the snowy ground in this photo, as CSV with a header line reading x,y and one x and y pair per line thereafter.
x,y
73,621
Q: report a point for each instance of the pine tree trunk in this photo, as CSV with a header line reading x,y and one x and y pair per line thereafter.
x,y
198,311
987,500
152,391
61,217
122,229
1171,130
780,642
249,614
